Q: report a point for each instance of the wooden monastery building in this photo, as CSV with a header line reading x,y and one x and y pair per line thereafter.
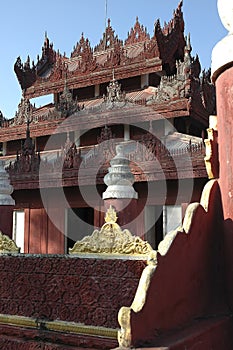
x,y
147,93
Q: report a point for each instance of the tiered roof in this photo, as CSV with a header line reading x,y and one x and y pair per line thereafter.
x,y
138,54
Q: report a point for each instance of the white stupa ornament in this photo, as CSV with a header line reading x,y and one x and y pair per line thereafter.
x,y
222,54
119,178
5,187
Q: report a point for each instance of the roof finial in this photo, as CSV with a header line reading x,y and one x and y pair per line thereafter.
x,y
188,47
46,40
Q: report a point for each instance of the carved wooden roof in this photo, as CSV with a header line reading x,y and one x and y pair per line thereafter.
x,y
139,54
65,164
184,94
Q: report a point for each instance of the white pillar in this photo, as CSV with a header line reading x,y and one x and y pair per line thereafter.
x,y
4,148
144,80
97,90
126,132
77,134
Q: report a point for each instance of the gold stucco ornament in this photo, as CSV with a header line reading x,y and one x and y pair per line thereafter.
x,y
111,239
7,245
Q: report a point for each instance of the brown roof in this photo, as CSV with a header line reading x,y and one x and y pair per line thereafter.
x,y
139,54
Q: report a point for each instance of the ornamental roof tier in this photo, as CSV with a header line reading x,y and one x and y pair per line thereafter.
x,y
139,54
165,102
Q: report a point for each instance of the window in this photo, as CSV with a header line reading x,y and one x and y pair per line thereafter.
x,y
18,229
172,218
79,223
159,220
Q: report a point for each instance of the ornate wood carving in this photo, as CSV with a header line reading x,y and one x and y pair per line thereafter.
x,y
137,34
211,158
109,39
114,93
7,245
70,156
28,74
83,51
24,113
25,170
28,161
167,44
67,105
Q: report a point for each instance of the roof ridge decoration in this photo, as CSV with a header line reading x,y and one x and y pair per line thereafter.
x,y
24,113
172,32
112,240
80,46
70,156
177,18
109,39
47,76
28,161
67,105
137,34
184,83
26,74
84,51
114,93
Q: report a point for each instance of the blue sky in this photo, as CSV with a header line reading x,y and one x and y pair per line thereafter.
x,y
23,25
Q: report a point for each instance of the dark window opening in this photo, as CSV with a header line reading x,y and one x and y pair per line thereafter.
x,y
80,223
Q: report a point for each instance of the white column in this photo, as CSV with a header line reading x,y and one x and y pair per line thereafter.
x,y
144,80
4,148
126,132
18,229
77,134
97,90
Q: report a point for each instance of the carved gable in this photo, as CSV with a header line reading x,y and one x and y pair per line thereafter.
x,y
137,34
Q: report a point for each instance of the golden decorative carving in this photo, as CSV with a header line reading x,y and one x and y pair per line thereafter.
x,y
58,326
7,245
112,240
140,298
124,314
211,158
124,334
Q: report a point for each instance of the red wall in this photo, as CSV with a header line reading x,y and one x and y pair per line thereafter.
x,y
188,283
224,88
87,291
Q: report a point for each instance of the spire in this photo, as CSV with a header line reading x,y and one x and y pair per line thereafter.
x,y
46,40
188,47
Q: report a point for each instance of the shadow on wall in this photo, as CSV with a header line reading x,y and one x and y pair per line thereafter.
x,y
187,281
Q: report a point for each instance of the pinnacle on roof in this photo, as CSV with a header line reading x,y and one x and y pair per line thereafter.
x,y
167,45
